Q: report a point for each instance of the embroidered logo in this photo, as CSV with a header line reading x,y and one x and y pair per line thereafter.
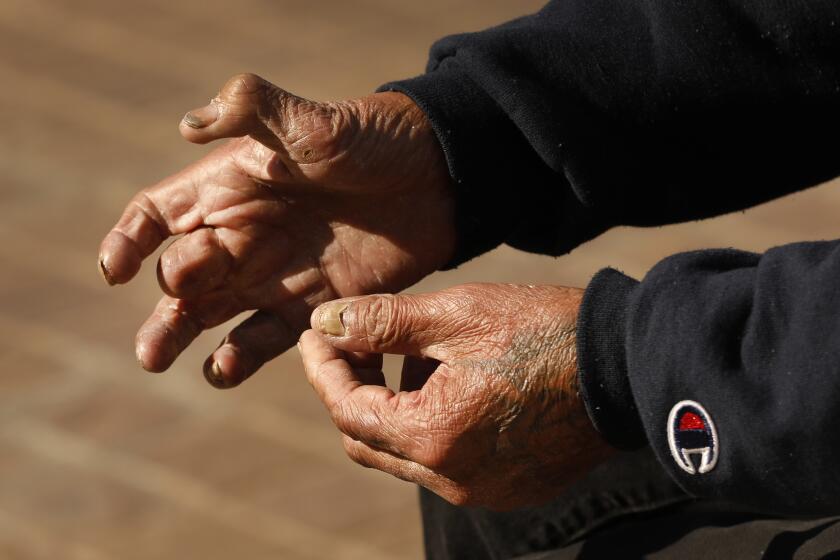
x,y
692,437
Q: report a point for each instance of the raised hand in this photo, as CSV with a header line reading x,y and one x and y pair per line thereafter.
x,y
310,202
488,412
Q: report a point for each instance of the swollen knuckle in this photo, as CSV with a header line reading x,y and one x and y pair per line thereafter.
x,y
177,272
321,135
245,84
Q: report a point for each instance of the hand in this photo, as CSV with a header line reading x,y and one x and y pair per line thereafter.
x,y
488,412
311,202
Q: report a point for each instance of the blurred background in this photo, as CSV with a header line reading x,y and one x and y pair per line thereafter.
x,y
100,460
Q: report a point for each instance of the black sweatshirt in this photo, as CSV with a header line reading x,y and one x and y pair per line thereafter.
x,y
593,113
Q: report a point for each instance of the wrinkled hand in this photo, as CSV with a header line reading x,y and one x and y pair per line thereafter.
x,y
311,202
487,413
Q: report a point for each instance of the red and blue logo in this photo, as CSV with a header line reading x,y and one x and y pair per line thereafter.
x,y
692,438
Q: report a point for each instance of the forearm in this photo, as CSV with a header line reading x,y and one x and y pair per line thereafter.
x,y
559,125
749,337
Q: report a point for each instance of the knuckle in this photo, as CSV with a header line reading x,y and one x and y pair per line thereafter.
x,y
174,278
346,418
341,127
336,410
341,422
143,205
378,320
190,264
245,96
319,131
245,84
468,298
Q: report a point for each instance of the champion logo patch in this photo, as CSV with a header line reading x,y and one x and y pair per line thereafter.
x,y
692,437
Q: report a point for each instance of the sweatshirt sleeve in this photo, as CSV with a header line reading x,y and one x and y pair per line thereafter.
x,y
594,113
728,364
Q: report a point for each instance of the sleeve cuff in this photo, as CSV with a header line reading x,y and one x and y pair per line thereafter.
x,y
480,144
602,364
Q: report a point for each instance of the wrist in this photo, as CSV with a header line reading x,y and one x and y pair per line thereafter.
x,y
467,123
405,128
584,446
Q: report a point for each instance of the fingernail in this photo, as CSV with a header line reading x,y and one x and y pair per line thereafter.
x,y
214,375
200,118
193,121
103,270
216,370
331,320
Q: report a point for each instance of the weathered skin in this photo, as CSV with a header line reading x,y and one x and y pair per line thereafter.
x,y
310,202
316,201
488,413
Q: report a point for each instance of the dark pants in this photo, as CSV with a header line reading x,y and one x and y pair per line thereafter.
x,y
627,509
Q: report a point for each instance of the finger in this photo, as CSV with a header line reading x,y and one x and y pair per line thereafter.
x,y
194,264
363,360
174,324
415,372
392,324
368,413
151,216
247,105
258,339
405,469
368,367
330,373
208,258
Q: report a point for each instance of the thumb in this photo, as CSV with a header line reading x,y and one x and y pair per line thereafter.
x,y
408,324
248,105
